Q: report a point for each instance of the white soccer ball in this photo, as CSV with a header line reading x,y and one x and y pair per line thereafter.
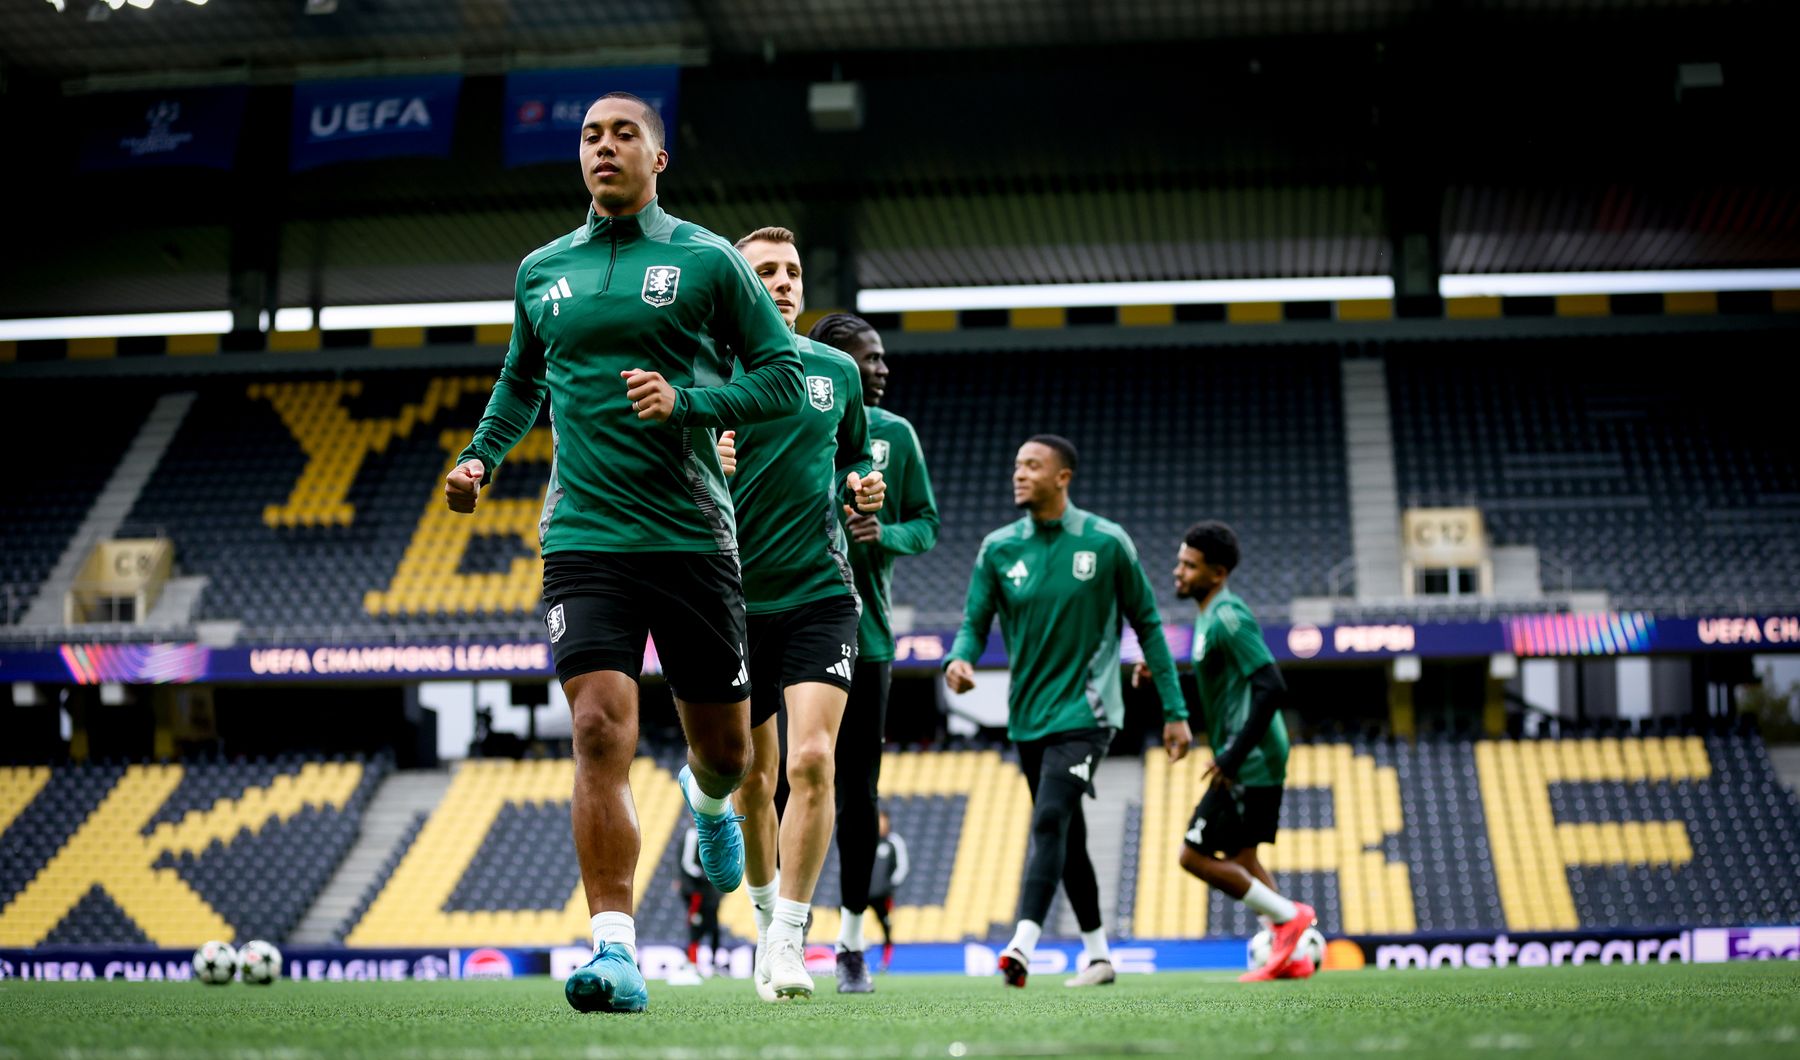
x,y
215,963
1312,944
259,962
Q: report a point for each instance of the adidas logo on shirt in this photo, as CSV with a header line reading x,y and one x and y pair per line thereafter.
x,y
1018,573
558,291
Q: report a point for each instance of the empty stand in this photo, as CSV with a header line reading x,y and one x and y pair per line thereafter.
x,y
76,433
1165,437
173,855
1663,489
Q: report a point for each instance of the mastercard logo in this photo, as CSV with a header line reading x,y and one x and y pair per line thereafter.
x,y
531,112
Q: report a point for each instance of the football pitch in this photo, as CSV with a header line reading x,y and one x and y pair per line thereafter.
x,y
1578,1012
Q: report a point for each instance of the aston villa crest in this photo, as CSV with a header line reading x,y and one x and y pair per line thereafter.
x,y
1085,562
819,391
878,451
660,283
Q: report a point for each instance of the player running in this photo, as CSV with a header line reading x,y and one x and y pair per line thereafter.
x,y
906,526
1241,692
624,324
793,478
1061,580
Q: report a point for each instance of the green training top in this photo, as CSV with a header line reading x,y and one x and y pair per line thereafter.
x,y
1228,648
789,487
1061,589
909,526
647,291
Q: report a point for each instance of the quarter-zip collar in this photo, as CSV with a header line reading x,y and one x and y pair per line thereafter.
x,y
1067,518
650,219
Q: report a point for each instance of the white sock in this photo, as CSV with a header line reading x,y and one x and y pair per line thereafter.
x,y
1268,903
703,802
1025,938
616,929
850,927
1094,947
762,903
790,921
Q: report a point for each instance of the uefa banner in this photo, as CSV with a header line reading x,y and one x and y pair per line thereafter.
x,y
545,108
175,127
1540,636
975,959
362,118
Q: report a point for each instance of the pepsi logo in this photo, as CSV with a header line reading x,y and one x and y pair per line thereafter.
x,y
1305,641
487,964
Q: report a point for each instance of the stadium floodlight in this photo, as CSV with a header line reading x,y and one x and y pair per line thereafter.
x,y
59,5
117,326
142,5
1175,292
420,315
294,319
1545,284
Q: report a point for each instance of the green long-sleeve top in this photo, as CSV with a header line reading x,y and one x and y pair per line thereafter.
x,y
1062,589
789,487
647,291
909,526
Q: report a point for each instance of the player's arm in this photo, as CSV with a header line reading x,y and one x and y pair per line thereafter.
x,y
1267,692
771,384
1250,654
978,618
1137,602
860,486
902,864
511,410
916,530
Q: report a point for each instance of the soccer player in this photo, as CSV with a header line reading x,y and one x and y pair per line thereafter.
x,y
1061,579
906,526
891,866
624,323
1241,691
793,478
702,901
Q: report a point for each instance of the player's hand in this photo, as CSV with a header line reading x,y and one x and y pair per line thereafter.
x,y
728,453
652,398
1139,674
1213,777
462,486
959,676
864,529
870,490
1177,738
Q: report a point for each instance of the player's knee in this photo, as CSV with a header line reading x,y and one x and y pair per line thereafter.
x,y
810,763
1196,863
1050,821
759,781
596,735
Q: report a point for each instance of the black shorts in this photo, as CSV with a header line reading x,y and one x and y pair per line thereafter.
x,y
1232,819
1064,759
600,605
812,642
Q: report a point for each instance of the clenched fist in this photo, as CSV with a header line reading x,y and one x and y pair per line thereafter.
x,y
462,487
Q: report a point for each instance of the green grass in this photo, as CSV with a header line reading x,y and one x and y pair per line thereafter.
x,y
1574,1013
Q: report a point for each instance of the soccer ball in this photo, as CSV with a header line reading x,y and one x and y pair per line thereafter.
x,y
1312,944
215,963
259,962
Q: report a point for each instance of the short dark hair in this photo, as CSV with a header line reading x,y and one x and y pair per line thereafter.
x,y
652,120
1065,449
838,329
1214,540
